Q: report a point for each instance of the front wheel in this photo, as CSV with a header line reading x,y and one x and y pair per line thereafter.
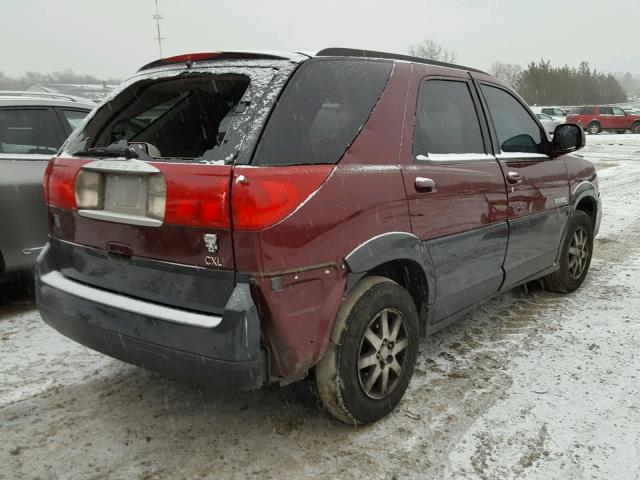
x,y
636,127
575,257
372,352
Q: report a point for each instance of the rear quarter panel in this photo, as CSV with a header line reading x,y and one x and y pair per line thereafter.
x,y
297,265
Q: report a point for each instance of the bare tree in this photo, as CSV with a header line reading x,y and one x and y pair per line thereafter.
x,y
432,50
508,73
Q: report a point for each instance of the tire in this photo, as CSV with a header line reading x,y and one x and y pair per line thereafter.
x,y
575,257
594,128
635,128
349,392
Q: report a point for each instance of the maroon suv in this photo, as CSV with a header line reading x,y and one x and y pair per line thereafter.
x,y
595,119
243,219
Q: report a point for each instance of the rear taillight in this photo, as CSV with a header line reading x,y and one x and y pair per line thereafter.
x,y
197,195
262,196
60,183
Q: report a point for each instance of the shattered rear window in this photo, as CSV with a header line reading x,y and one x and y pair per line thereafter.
x,y
182,117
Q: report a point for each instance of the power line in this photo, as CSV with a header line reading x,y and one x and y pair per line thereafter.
x,y
157,17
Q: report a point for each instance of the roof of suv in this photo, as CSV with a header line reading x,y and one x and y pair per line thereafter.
x,y
296,56
40,99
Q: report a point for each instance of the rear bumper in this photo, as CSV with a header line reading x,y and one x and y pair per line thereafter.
x,y
222,351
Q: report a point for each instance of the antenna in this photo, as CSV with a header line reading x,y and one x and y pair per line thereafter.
x,y
157,17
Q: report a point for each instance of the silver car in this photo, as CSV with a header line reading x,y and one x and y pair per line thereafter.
x,y
549,123
32,128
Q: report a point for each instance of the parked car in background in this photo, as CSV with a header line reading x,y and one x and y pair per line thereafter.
x,y
557,113
275,215
548,122
32,129
596,118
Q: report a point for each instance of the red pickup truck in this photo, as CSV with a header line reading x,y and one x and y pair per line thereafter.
x,y
595,119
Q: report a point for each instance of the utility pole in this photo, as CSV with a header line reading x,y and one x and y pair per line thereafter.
x,y
157,17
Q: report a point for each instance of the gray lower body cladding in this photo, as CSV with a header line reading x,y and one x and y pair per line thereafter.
x,y
225,354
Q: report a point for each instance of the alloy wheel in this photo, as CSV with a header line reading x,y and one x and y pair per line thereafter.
x,y
578,253
382,355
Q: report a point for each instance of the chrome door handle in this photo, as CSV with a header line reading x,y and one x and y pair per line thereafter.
x,y
425,184
514,177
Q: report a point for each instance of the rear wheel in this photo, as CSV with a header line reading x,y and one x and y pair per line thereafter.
x,y
636,127
575,257
371,354
594,128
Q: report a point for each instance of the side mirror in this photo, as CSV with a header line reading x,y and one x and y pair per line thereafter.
x,y
567,138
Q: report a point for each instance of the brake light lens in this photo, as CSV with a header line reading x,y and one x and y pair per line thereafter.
x,y
192,57
263,196
60,183
197,195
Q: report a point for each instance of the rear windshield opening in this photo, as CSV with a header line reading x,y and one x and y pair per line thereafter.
x,y
183,118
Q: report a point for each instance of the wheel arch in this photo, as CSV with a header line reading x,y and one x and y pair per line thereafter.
x,y
401,257
585,198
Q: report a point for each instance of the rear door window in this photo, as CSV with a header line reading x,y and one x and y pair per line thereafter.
x,y
321,111
606,111
446,119
516,129
28,132
73,117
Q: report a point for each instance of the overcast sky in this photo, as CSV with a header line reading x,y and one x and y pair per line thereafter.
x,y
115,37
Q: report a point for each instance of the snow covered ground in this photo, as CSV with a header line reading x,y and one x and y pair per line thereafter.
x,y
531,385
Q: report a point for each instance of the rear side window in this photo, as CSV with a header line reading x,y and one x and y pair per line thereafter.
x,y
321,111
516,129
553,112
73,117
27,131
446,119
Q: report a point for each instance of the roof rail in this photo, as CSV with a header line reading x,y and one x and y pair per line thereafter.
x,y
352,52
209,56
25,93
